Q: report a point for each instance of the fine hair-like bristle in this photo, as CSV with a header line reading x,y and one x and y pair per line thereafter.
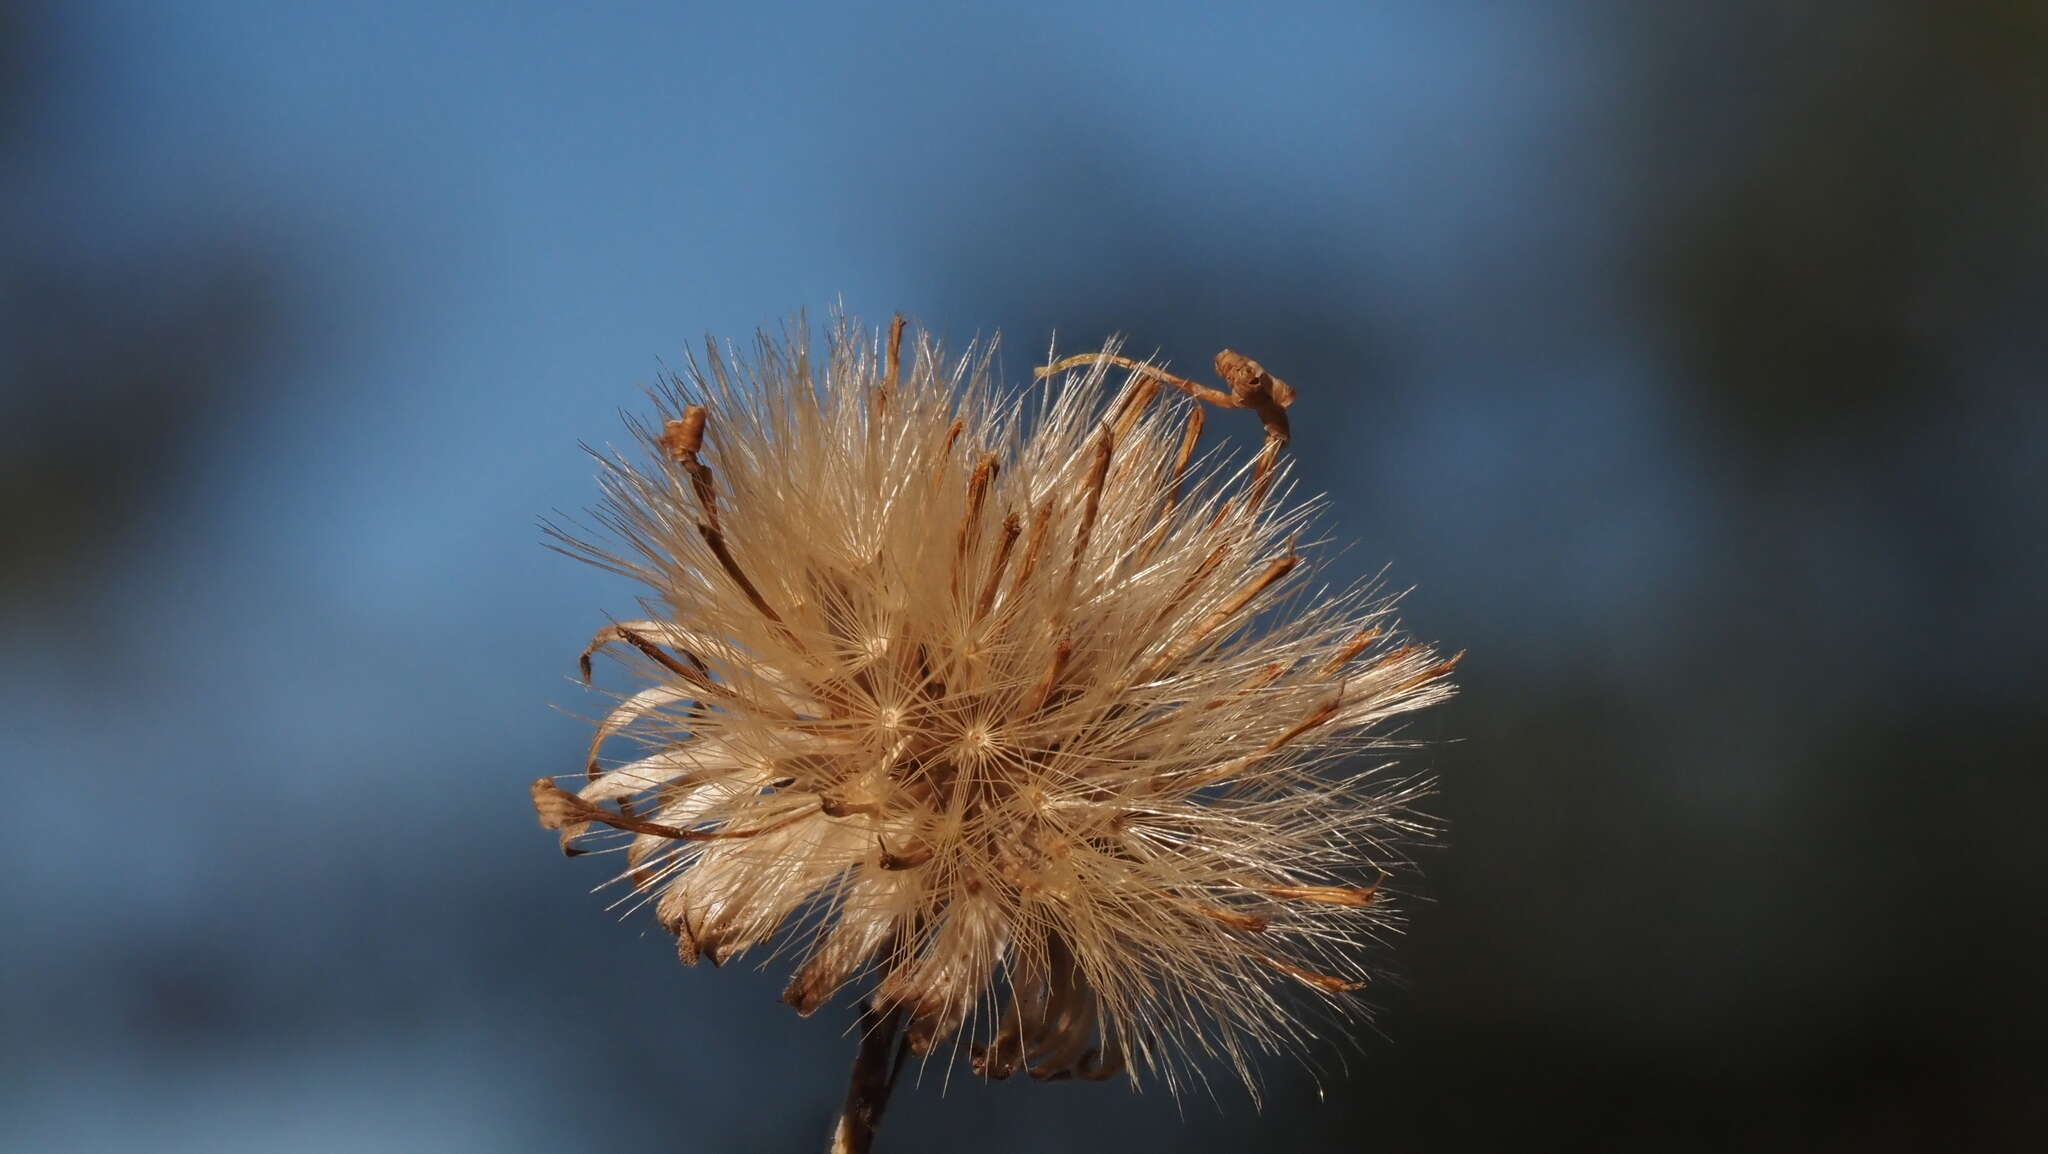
x,y
1016,712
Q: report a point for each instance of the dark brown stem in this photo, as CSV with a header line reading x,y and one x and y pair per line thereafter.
x,y
874,1075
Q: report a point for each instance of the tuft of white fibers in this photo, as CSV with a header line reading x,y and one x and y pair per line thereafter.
x,y
1010,710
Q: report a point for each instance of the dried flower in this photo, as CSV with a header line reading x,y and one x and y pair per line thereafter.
x,y
1016,707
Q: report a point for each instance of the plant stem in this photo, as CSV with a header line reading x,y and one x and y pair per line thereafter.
x,y
874,1075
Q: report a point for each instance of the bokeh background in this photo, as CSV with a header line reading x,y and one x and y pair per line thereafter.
x,y
1688,359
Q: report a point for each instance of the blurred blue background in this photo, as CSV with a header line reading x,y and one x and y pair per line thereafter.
x,y
1687,358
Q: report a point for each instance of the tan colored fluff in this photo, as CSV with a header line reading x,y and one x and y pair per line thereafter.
x,y
1017,711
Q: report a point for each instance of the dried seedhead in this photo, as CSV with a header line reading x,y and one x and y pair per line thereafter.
x,y
1015,711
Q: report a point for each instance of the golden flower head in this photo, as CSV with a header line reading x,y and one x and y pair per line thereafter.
x,y
1015,709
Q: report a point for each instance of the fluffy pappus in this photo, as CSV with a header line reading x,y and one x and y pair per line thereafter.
x,y
1016,712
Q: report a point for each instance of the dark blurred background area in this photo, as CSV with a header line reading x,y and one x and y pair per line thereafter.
x,y
1687,359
